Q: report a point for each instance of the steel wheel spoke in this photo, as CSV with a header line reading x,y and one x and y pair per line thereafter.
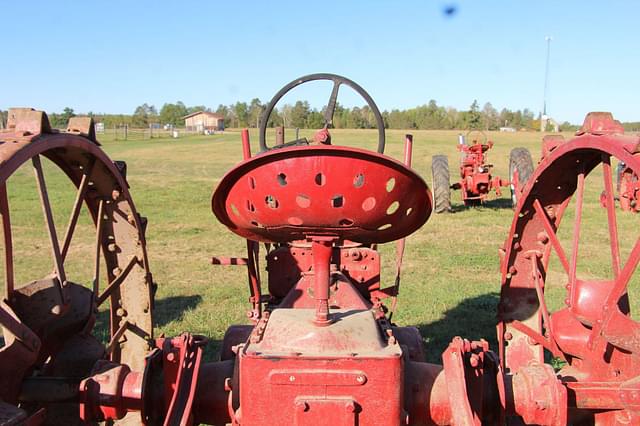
x,y
550,230
576,232
611,215
331,105
75,211
116,282
96,271
626,273
46,209
8,244
116,337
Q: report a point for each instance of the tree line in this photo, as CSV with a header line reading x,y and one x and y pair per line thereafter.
x,y
300,115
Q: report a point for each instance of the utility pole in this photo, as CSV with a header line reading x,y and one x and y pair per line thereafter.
x,y
544,118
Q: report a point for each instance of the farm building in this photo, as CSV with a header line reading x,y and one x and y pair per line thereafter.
x,y
202,121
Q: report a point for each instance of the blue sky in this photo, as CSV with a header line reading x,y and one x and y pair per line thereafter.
x,y
110,56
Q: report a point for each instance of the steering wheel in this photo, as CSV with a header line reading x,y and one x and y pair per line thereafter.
x,y
331,105
480,134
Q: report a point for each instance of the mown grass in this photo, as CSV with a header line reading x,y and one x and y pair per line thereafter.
x,y
450,279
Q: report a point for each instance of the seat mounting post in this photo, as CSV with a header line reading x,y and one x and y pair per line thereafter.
x,y
321,248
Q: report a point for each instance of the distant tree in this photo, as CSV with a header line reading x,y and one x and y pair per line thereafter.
x,y
490,117
197,108
144,114
255,112
285,114
315,120
173,113
299,114
275,119
474,118
527,119
241,114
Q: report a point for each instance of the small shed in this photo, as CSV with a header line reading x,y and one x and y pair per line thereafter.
x,y
202,121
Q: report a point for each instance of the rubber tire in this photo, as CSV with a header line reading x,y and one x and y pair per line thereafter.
x,y
441,184
520,160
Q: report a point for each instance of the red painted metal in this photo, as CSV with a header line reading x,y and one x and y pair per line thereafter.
x,y
288,194
593,335
476,181
322,349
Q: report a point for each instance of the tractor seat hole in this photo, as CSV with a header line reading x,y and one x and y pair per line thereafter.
x,y
391,183
358,181
252,182
368,204
320,179
250,206
282,179
303,201
346,222
271,202
337,201
383,227
234,209
295,221
393,208
409,210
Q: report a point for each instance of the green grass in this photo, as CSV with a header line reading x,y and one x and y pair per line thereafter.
x,y
451,275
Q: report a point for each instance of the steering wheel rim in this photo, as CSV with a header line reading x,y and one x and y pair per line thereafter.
x,y
331,105
478,141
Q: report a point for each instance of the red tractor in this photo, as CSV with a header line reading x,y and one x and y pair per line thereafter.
x,y
321,348
476,181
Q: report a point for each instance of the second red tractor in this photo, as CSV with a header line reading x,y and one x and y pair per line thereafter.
x,y
476,181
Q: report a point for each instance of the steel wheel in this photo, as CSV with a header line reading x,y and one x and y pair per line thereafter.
x,y
48,321
587,327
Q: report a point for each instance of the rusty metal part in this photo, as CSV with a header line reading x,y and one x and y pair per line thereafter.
x,y
593,334
42,320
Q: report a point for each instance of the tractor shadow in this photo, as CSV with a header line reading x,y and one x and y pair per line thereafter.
x,y
164,311
471,319
173,308
495,204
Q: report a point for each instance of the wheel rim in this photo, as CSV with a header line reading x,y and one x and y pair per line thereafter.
x,y
69,314
595,318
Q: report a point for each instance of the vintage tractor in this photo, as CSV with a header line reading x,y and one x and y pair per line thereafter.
x,y
322,348
476,181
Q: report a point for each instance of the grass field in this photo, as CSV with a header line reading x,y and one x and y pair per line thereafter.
x,y
451,275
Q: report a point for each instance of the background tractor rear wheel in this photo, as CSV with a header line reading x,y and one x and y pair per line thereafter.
x,y
520,161
441,185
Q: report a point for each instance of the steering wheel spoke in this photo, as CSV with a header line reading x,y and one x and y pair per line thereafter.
x,y
331,105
